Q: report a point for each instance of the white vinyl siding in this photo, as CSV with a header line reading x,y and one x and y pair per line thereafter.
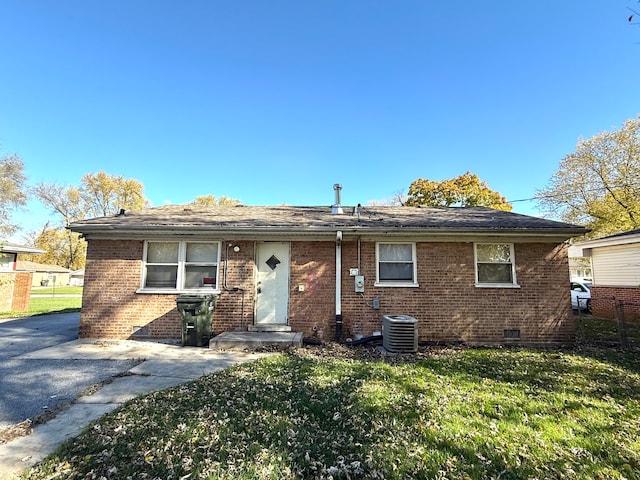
x,y
616,265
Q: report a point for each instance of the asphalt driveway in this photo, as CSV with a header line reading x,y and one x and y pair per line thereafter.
x,y
29,386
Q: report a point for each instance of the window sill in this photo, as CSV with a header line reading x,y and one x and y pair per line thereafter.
x,y
175,291
399,284
497,285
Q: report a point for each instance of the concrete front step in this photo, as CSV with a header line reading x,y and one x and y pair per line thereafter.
x,y
269,327
239,341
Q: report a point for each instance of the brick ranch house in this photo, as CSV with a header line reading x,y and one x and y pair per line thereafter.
x,y
466,274
15,282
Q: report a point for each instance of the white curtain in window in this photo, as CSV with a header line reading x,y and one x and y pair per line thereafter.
x,y
162,252
395,262
390,252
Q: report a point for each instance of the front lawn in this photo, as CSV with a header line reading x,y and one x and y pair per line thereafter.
x,y
61,290
47,305
332,412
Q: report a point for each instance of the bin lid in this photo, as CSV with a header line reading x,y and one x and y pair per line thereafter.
x,y
191,298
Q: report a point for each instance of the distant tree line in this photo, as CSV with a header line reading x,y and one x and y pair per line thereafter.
x,y
597,186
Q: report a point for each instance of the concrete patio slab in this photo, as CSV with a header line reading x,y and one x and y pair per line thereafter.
x,y
162,366
247,341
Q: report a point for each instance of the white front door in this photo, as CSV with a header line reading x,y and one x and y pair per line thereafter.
x,y
272,286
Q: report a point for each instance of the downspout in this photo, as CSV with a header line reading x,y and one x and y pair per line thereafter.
x,y
338,286
337,210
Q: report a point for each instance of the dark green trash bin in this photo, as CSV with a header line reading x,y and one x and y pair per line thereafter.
x,y
197,313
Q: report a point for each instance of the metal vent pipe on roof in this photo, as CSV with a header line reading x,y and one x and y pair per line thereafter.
x,y
337,204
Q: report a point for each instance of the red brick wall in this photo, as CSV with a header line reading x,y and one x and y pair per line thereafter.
x,y
447,304
234,311
111,308
22,291
313,266
7,279
603,301
15,291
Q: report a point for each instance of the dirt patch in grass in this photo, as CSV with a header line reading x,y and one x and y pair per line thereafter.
x,y
25,427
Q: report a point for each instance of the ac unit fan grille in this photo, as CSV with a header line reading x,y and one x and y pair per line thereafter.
x,y
400,334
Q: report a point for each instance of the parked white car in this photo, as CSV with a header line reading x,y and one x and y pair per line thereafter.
x,y
581,296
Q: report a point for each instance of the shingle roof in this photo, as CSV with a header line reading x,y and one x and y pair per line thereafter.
x,y
619,235
623,238
39,267
300,220
15,248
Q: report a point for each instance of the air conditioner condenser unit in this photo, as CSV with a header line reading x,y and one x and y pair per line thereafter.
x,y
399,333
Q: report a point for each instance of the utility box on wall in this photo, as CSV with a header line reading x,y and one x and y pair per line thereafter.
x,y
359,283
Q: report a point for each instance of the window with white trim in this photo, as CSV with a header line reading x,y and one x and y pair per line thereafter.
x,y
7,261
495,264
396,264
181,265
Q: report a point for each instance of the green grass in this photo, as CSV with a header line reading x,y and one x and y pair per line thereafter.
x,y
46,305
453,414
606,332
58,290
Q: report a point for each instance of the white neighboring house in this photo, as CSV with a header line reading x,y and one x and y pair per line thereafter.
x,y
9,255
45,274
76,278
615,267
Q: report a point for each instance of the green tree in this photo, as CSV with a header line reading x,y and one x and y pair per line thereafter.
x,y
99,194
12,191
61,247
598,185
104,194
210,200
464,191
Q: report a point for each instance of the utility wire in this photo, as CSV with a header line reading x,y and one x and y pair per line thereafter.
x,y
572,193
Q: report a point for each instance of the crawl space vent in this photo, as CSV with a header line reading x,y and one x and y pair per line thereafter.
x,y
513,333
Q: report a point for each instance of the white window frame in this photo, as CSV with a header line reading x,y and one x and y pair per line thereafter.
x,y
400,283
512,262
8,262
181,267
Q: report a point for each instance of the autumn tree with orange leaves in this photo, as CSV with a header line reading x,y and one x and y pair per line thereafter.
x,y
464,191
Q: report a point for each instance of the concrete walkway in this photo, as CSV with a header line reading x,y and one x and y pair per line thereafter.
x,y
164,366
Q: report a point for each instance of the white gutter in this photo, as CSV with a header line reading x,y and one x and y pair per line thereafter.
x,y
328,231
338,285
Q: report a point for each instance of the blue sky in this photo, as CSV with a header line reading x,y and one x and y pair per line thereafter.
x,y
273,102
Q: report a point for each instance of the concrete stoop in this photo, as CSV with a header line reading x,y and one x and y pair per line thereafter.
x,y
240,341
269,327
